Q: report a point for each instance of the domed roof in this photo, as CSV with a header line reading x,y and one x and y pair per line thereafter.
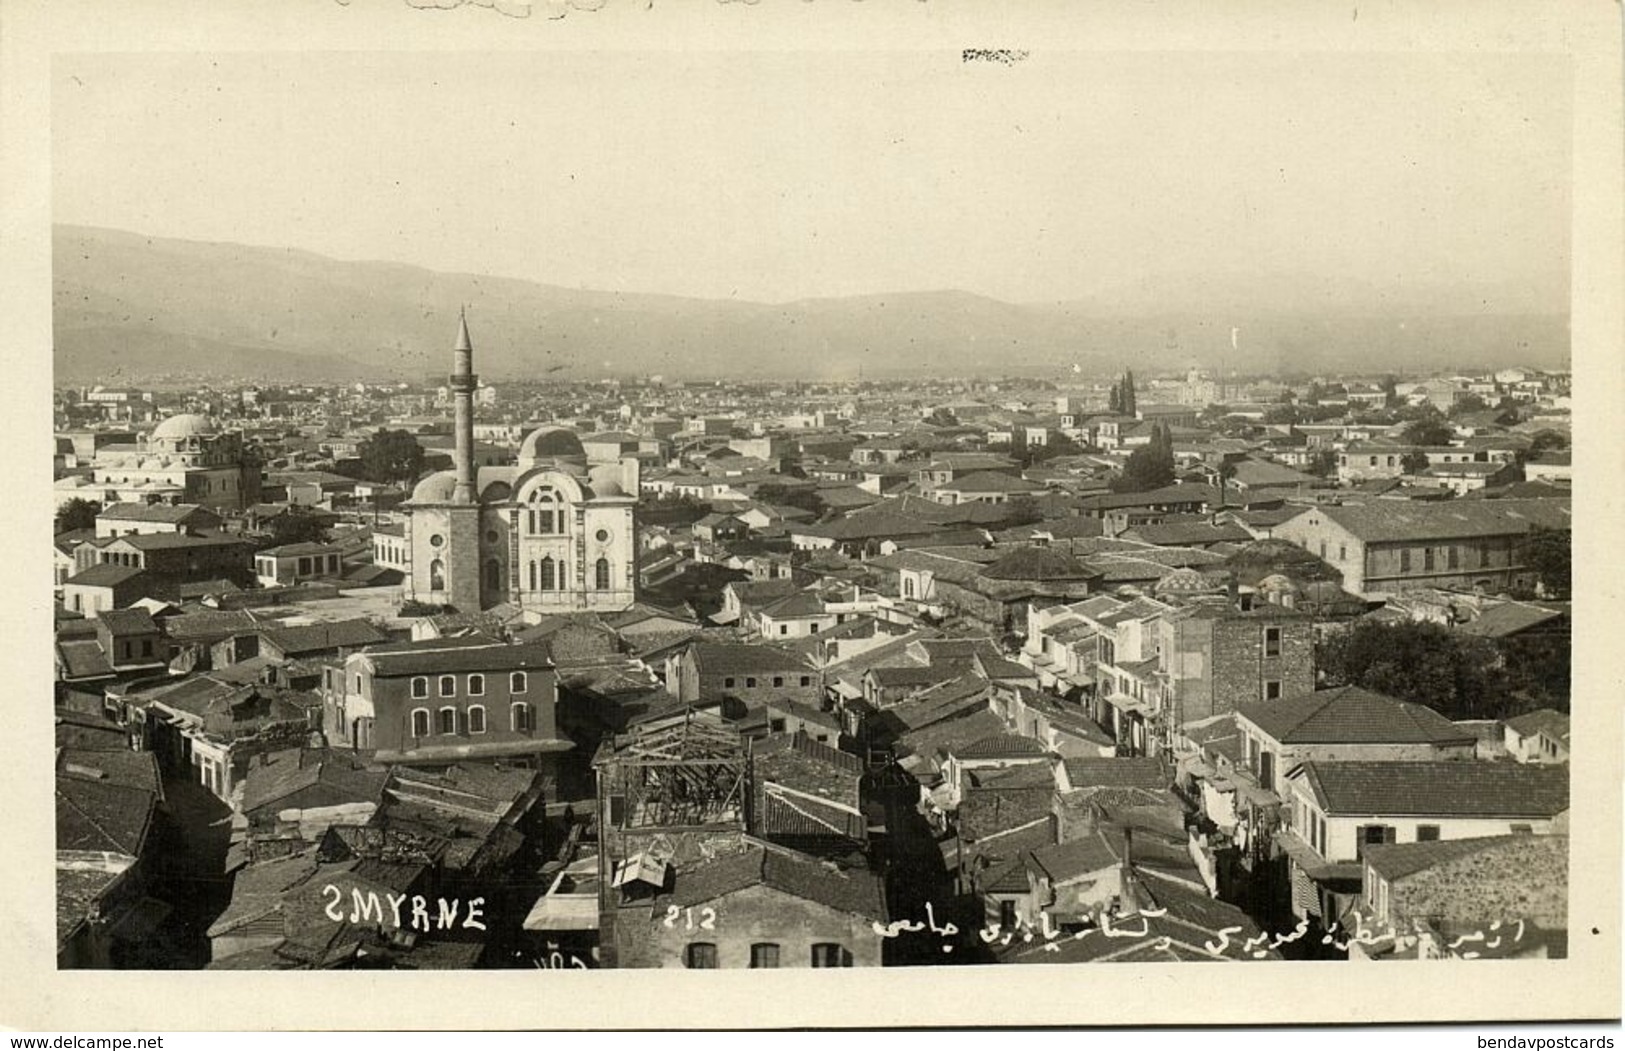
x,y
1277,582
1037,563
185,425
605,480
546,442
435,488
1183,580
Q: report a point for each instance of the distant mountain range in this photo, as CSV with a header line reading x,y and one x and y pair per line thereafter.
x,y
130,308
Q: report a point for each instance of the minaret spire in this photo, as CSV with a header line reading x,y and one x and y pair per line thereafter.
x,y
463,384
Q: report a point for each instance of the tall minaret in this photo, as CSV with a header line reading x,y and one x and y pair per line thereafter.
x,y
463,383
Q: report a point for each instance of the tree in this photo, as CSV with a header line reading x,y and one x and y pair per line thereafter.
x,y
297,526
1149,467
1114,401
1544,441
1459,676
1468,403
1549,552
1430,430
1281,414
1414,462
1323,464
1130,405
391,457
1024,510
1390,391
77,513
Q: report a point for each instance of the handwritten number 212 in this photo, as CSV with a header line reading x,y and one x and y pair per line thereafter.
x,y
708,918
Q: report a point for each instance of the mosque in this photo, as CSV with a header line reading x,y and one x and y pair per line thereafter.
x,y
187,459
551,534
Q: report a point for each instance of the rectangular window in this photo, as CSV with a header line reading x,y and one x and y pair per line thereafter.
x,y
775,726
830,954
1007,914
1427,833
1453,556
476,686
448,685
728,683
1272,690
701,956
1405,560
806,680
1272,642
476,720
420,722
1427,559
764,954
517,682
420,687
750,682
784,629
778,680
448,720
1342,552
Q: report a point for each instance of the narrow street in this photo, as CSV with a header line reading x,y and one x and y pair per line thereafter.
x,y
190,875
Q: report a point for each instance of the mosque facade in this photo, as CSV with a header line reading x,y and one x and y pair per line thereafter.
x,y
554,533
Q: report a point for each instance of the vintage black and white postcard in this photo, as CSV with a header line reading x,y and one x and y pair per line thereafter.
x,y
1009,504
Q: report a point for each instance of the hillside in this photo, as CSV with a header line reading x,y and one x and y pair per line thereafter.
x,y
128,305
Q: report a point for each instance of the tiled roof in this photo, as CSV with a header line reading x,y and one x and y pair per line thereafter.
x,y
801,743
309,638
1088,853
209,625
851,890
456,655
984,812
1118,772
989,482
99,815
1509,618
1553,723
169,514
1439,788
1351,715
1398,860
83,658
128,621
722,658
1452,519
1038,562
1002,746
105,575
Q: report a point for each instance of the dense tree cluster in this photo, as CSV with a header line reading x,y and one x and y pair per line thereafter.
x,y
391,457
1460,676
1150,466
77,513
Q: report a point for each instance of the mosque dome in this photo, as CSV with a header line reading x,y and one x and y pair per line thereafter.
x,y
1037,563
435,488
545,443
1277,582
184,425
1183,581
605,480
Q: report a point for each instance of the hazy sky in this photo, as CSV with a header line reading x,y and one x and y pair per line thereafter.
x,y
775,177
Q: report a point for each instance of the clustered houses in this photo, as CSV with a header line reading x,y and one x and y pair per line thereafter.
x,y
659,675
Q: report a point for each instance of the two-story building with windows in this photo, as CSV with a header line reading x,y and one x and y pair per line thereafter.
x,y
1386,546
1343,723
437,702
291,564
1333,810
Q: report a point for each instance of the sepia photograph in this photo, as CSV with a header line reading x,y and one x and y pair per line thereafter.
x,y
960,502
